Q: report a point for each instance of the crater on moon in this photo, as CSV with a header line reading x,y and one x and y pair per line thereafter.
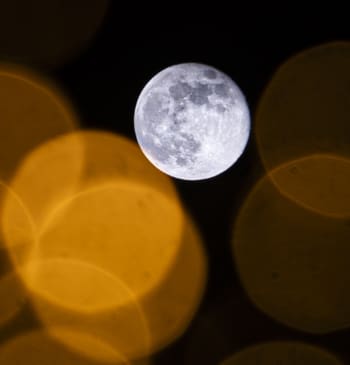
x,y
192,121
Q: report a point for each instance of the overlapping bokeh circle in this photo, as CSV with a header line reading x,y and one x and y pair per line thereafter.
x,y
95,239
290,238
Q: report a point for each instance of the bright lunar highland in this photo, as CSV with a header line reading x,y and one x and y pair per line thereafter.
x,y
192,121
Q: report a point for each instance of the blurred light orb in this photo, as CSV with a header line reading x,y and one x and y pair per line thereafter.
x,y
283,352
33,110
40,347
192,121
304,109
294,264
48,34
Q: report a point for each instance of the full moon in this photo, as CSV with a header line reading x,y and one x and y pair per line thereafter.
x,y
192,121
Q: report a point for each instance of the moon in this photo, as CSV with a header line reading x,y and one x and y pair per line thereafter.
x,y
192,121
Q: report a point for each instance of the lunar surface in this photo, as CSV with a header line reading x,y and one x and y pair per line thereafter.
x,y
192,121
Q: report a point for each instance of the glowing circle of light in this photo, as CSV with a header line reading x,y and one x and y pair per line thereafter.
x,y
171,306
40,347
91,314
116,227
17,234
71,163
46,176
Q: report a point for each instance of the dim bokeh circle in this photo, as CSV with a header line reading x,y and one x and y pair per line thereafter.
x,y
304,111
319,182
32,110
192,121
282,352
292,261
48,33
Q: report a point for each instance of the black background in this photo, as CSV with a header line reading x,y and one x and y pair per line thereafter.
x,y
247,43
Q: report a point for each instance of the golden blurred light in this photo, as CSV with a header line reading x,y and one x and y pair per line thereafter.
x,y
64,294
39,347
112,157
117,228
113,228
286,353
318,182
42,33
293,262
21,230
46,176
12,293
91,347
80,298
305,111
32,110
112,250
50,173
68,164
61,281
74,162
170,307
87,346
